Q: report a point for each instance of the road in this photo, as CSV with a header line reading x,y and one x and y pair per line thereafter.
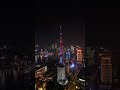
x,y
72,83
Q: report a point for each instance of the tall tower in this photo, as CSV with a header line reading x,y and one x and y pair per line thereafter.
x,y
61,76
106,68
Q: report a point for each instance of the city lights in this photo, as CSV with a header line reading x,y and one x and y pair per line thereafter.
x,y
60,46
81,80
72,65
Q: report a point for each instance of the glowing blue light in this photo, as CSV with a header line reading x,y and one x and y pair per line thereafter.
x,y
67,55
72,65
60,60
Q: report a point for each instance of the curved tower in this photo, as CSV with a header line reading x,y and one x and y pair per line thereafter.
x,y
61,76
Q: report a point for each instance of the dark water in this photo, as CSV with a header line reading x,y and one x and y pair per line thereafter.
x,y
15,80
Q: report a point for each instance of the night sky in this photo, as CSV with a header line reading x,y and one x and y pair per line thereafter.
x,y
16,28
73,30
100,23
104,26
50,17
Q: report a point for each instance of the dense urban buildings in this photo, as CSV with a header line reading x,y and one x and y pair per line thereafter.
x,y
63,65
59,45
16,68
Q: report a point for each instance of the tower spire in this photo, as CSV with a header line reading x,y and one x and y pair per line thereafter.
x,y
61,76
61,41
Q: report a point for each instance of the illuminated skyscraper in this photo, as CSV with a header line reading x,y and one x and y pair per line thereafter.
x,y
79,55
72,49
67,55
106,68
61,76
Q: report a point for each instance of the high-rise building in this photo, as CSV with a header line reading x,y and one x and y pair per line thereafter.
x,y
72,49
90,55
67,61
106,68
79,55
61,75
67,55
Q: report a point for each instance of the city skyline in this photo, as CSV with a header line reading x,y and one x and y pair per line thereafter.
x,y
52,36
93,64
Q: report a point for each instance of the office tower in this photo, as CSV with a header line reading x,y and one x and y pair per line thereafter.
x,y
79,55
106,69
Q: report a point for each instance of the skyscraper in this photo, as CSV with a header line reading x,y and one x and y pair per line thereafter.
x,y
79,55
106,69
61,76
72,49
67,61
